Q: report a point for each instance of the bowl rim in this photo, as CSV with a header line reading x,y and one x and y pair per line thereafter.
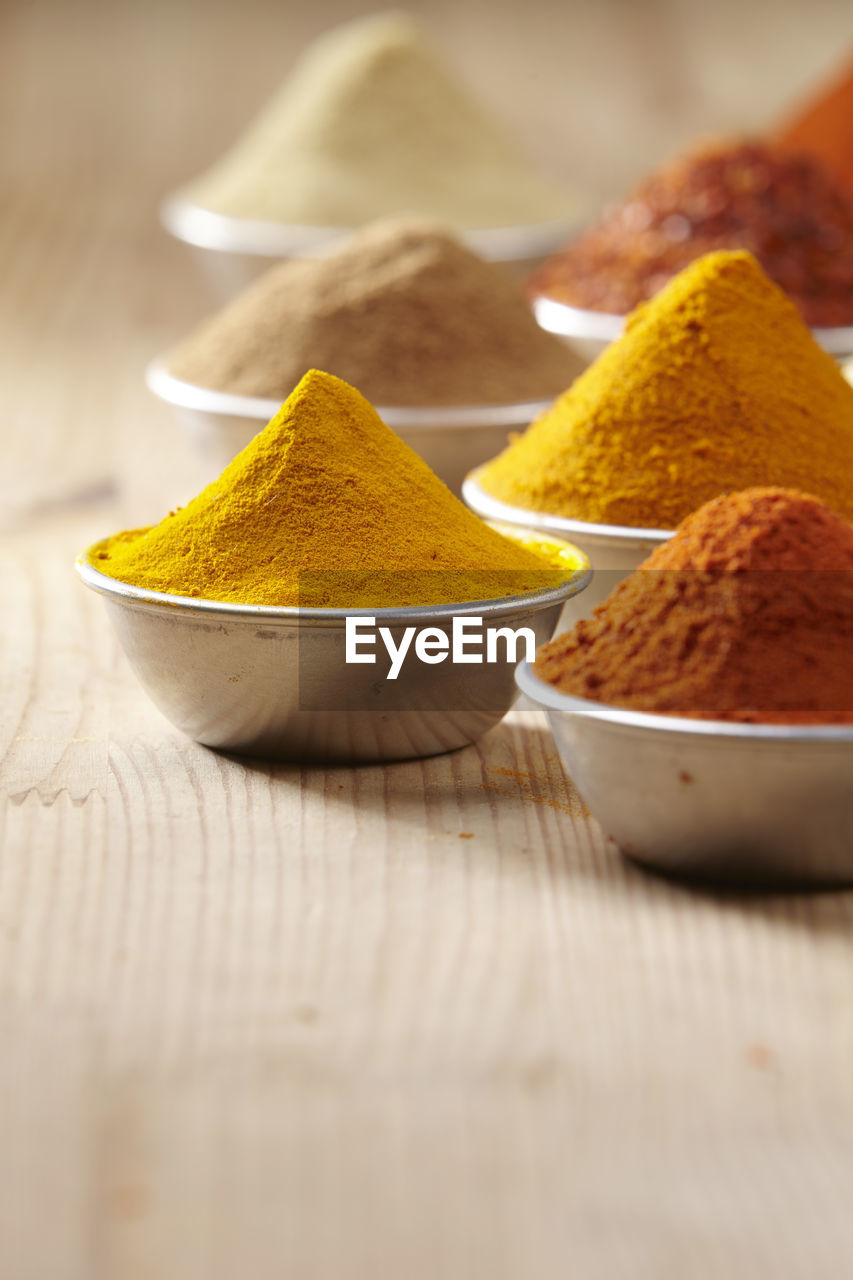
x,y
579,322
125,593
553,700
188,395
490,508
575,322
228,233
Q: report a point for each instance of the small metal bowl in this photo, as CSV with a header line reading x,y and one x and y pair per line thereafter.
x,y
614,551
764,804
273,682
586,332
589,332
450,440
231,252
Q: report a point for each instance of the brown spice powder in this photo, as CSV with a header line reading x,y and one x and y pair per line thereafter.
x,y
401,310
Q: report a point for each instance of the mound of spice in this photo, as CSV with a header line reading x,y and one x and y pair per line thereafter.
x,y
401,309
745,614
823,127
716,384
783,207
371,122
326,508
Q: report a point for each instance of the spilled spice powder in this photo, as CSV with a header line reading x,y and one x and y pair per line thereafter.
x,y
553,791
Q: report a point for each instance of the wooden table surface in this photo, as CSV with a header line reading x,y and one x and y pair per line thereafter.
x,y
416,1021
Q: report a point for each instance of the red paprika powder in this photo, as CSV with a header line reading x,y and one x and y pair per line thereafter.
x,y
746,614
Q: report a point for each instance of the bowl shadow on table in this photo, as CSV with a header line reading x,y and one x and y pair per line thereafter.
x,y
515,770
477,777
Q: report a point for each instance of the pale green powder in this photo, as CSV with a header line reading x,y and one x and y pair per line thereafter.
x,y
372,123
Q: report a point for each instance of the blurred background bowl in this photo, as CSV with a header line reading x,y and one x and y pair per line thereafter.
x,y
589,332
273,682
614,551
232,252
768,804
586,332
451,440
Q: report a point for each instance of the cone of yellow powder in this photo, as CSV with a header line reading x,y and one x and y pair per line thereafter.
x,y
326,508
716,385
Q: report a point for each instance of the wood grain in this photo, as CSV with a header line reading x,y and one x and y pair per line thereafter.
x,y
414,1021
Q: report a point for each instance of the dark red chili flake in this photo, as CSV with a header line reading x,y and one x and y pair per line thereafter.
x,y
785,208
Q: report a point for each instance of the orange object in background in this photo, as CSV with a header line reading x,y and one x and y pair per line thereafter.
x,y
824,127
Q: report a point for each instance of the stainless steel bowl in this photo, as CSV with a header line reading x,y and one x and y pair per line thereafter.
x,y
231,252
766,804
589,332
586,332
614,551
273,682
450,440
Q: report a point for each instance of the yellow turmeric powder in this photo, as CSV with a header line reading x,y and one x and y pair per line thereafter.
x,y
715,385
328,488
